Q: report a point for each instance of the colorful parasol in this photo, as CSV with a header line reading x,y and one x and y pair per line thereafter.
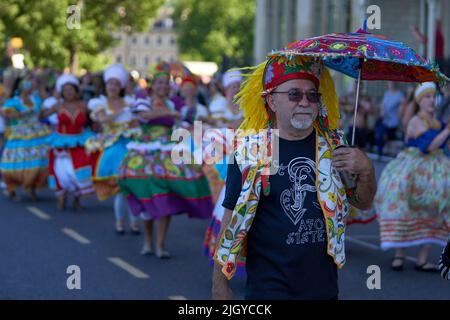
x,y
366,56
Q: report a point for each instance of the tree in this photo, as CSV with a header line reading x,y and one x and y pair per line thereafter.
x,y
49,39
216,30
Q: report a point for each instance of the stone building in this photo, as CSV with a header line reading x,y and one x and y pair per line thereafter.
x,y
139,51
279,22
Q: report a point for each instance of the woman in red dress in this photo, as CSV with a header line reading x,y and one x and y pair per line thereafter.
x,y
70,168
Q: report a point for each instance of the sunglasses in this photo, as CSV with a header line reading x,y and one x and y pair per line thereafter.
x,y
296,95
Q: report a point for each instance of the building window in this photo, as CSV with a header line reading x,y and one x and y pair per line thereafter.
x,y
133,61
158,59
118,59
159,41
134,40
146,60
172,41
146,41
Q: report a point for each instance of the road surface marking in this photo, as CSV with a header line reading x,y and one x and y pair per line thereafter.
x,y
76,236
177,298
128,268
365,236
373,247
362,243
39,213
411,258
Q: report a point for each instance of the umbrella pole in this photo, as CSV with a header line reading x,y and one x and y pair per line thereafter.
x,y
356,107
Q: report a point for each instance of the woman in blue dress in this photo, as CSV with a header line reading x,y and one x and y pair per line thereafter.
x,y
413,196
24,159
108,148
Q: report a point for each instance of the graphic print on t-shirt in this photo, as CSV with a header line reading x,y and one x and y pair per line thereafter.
x,y
309,231
301,170
292,199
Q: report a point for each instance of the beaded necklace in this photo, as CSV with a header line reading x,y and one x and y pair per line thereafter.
x,y
430,124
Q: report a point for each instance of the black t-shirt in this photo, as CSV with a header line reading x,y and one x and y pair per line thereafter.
x,y
287,242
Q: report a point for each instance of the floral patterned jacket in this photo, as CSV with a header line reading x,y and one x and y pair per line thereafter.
x,y
251,156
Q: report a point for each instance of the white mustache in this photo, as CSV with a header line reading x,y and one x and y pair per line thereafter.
x,y
303,112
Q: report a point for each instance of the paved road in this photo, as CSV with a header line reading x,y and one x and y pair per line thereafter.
x,y
38,243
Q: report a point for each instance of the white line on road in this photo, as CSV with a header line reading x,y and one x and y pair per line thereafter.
x,y
362,243
411,258
373,247
76,236
365,236
128,268
39,213
177,298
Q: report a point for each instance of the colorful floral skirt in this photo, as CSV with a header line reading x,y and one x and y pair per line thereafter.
x,y
213,232
413,200
358,216
24,160
216,174
153,184
105,166
2,144
70,168
215,181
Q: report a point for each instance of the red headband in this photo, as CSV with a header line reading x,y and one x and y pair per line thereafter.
x,y
189,79
280,70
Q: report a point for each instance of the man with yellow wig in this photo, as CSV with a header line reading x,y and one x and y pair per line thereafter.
x,y
289,225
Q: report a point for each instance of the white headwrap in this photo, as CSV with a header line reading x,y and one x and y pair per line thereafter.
x,y
423,89
116,71
65,79
231,76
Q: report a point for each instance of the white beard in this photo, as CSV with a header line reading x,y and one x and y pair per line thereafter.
x,y
302,124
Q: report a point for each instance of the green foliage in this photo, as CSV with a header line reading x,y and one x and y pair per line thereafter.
x,y
94,63
49,42
216,30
